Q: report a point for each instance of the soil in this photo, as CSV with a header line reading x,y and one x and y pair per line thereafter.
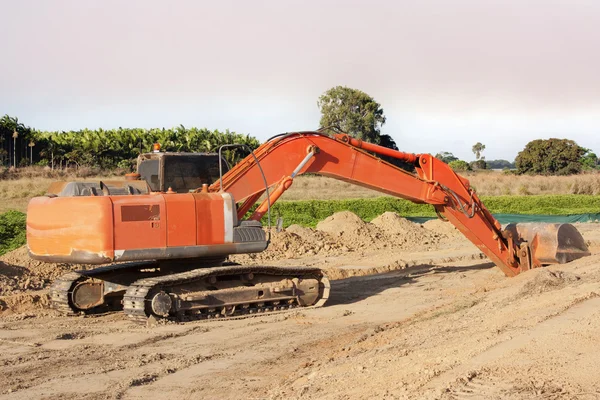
x,y
415,312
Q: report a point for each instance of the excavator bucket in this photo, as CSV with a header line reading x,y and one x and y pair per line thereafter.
x,y
550,243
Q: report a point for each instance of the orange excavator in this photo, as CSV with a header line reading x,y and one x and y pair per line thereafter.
x,y
165,234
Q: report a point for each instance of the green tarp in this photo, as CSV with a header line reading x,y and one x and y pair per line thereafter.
x,y
515,218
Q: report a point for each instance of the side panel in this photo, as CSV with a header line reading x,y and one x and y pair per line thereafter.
x,y
181,220
140,222
210,218
70,228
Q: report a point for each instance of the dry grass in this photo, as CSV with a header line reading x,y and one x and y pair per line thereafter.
x,y
490,183
18,187
498,184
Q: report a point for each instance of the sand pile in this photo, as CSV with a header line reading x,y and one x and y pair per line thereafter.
x,y
402,233
442,228
546,280
355,233
345,232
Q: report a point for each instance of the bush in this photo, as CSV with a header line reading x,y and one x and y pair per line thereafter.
x,y
12,231
479,164
459,165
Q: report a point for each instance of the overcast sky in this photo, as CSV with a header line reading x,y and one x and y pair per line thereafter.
x,y
447,73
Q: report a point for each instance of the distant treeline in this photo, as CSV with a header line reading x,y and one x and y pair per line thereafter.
x,y
499,164
107,149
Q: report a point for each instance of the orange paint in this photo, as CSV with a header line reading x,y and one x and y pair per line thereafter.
x,y
181,220
339,158
210,225
62,225
147,231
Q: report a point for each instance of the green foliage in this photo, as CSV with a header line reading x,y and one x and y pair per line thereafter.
x,y
567,204
589,160
550,157
109,149
446,157
353,111
310,212
12,231
459,165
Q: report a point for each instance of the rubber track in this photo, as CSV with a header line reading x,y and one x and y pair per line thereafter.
x,y
59,291
134,301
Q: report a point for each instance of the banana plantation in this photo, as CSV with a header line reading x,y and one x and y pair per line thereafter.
x,y
107,149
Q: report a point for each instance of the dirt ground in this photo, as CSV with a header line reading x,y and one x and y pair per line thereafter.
x,y
416,312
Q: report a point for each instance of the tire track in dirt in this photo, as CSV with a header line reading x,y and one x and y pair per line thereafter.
x,y
573,313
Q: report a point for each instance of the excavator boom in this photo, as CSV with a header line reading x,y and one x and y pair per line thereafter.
x,y
345,158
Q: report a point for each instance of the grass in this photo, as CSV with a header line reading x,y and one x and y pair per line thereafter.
x,y
12,231
310,212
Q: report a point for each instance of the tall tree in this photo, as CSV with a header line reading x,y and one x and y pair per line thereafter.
x,y
477,149
353,111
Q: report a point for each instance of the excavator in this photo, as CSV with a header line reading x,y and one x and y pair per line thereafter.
x,y
164,234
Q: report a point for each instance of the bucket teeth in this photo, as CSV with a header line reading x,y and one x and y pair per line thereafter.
x,y
550,243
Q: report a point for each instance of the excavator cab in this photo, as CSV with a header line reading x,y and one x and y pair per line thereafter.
x,y
156,172
182,172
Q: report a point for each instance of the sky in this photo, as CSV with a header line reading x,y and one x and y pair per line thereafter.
x,y
448,74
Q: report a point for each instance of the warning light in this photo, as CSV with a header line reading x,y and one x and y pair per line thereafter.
x,y
156,148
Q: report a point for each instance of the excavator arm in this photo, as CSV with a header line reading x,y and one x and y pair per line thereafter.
x,y
281,159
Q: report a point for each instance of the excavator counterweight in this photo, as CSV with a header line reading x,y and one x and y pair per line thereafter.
x,y
176,241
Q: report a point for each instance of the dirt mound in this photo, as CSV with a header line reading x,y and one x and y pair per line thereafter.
x,y
23,302
442,228
546,280
352,231
345,232
308,234
403,233
295,242
19,273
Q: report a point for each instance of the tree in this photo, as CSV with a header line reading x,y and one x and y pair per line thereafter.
x,y
477,149
551,157
479,162
446,157
353,111
9,125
